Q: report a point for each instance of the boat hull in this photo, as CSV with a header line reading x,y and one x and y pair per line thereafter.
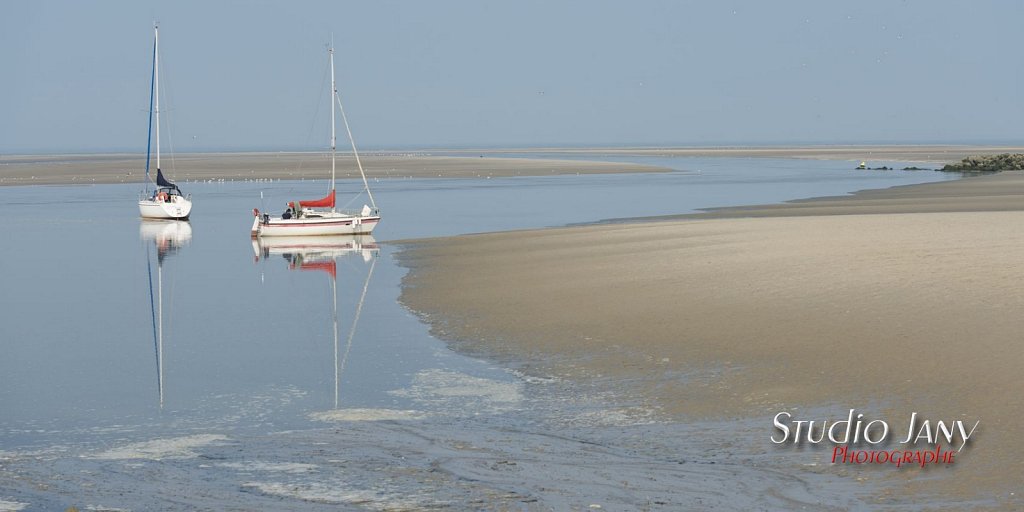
x,y
317,226
178,208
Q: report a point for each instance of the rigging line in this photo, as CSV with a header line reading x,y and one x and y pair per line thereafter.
x,y
316,115
152,310
165,94
170,305
350,201
354,152
355,319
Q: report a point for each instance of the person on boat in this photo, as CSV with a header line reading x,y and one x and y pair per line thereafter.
x,y
293,211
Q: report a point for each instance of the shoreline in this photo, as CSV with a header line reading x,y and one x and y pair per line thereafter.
x,y
932,197
108,168
889,301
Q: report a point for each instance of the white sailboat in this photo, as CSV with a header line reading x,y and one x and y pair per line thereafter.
x,y
320,216
166,201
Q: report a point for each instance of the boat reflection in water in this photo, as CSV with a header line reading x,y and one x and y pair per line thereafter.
x,y
322,253
168,236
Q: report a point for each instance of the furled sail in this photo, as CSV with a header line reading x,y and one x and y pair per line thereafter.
x,y
162,182
327,202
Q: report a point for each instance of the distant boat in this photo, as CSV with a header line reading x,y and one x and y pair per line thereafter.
x,y
169,237
320,216
321,254
166,201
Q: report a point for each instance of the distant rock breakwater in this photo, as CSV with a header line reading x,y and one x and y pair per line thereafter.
x,y
991,163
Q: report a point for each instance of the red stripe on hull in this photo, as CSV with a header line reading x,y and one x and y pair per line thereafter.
x,y
307,225
318,224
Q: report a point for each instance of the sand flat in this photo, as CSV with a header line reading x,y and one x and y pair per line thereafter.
x,y
129,168
456,163
905,302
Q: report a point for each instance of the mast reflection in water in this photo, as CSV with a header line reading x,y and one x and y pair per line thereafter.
x,y
321,253
168,236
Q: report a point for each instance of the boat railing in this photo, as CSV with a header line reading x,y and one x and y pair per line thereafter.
x,y
354,212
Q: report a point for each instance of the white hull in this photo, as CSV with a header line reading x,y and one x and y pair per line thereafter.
x,y
329,224
178,208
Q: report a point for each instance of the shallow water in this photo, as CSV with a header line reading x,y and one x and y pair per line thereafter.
x,y
163,345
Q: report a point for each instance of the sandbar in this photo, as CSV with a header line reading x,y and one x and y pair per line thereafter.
x,y
891,302
190,167
444,163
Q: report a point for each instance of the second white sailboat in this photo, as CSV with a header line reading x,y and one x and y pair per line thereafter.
x,y
166,201
320,216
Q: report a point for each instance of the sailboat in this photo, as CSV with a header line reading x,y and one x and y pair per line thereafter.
x,y
166,201
320,216
321,254
168,236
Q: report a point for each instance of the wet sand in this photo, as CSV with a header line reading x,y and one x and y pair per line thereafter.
x,y
977,193
394,465
129,168
890,302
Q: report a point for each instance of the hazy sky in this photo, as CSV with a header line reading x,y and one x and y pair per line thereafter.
x,y
248,74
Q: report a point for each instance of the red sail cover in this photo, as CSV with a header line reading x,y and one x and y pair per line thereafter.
x,y
325,202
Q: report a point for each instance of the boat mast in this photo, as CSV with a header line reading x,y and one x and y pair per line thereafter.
x,y
334,94
149,130
156,90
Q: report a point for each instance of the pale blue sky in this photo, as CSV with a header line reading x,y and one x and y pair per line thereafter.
x,y
246,74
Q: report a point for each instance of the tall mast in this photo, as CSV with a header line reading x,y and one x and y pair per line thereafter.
x,y
149,126
156,89
334,94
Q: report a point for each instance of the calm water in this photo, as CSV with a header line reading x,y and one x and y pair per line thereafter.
x,y
248,343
